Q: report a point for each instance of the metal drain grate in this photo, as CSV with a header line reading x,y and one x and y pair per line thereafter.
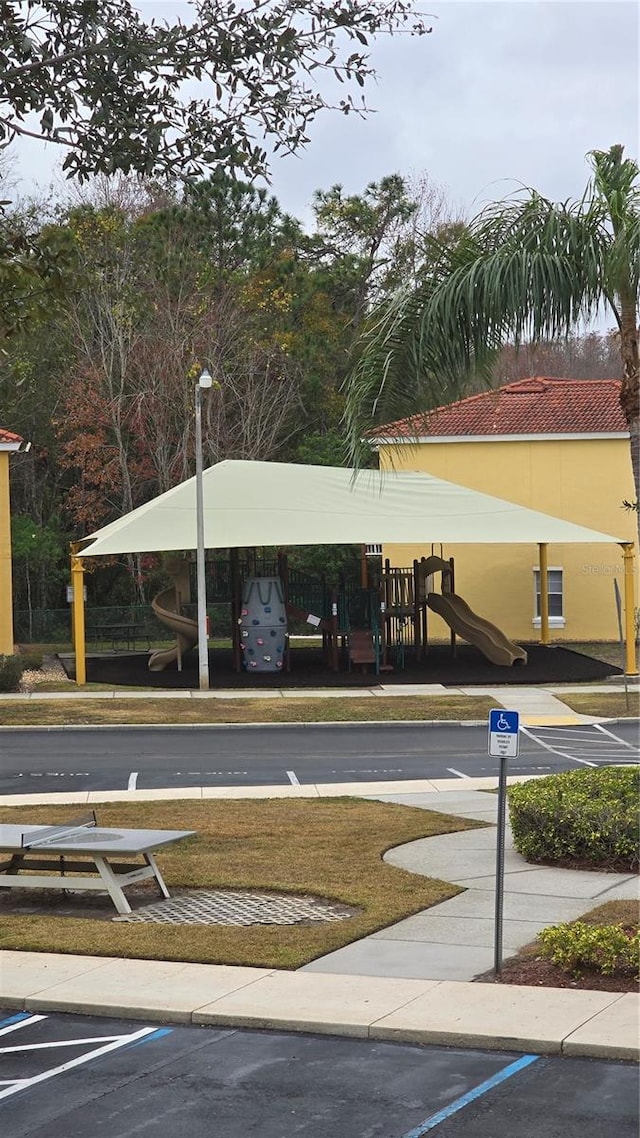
x,y
225,907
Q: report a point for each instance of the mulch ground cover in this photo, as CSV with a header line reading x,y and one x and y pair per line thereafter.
x,y
546,665
538,973
531,969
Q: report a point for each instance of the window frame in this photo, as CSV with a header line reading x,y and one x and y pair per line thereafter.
x,y
554,621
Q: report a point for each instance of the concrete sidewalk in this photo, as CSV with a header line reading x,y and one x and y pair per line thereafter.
x,y
542,1020
409,982
455,939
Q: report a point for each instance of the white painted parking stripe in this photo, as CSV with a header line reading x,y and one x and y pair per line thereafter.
x,y
591,745
623,742
554,750
593,752
133,779
52,1072
21,1023
460,774
293,778
57,1043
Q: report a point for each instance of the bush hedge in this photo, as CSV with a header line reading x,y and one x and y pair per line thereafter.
x,y
577,946
11,669
588,815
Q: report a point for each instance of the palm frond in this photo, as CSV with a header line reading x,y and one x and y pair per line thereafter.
x,y
524,269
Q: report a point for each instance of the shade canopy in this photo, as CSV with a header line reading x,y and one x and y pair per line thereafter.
x,y
250,504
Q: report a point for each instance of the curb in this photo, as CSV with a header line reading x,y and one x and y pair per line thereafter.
x,y
435,787
550,1021
246,726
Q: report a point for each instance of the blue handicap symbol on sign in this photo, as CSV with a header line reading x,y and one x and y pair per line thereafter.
x,y
504,722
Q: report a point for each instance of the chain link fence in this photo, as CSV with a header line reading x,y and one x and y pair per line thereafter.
x,y
53,626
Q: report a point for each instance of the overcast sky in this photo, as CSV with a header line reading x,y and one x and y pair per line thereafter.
x,y
499,93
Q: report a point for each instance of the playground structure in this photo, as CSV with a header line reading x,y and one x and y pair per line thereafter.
x,y
262,624
373,623
167,607
486,636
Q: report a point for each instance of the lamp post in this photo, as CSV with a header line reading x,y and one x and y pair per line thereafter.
x,y
204,382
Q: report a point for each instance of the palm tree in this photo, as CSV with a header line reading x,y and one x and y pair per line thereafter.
x,y
525,269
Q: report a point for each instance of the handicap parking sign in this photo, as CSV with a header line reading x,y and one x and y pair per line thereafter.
x,y
504,727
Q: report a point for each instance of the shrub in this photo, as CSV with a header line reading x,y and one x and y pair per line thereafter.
x,y
600,948
11,669
31,661
583,815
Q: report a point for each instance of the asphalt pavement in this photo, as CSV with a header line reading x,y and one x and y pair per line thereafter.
x,y
72,1075
388,1006
45,760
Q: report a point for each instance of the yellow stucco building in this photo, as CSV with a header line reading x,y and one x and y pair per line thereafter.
x,y
555,445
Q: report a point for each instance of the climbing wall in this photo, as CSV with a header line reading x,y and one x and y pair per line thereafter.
x,y
263,625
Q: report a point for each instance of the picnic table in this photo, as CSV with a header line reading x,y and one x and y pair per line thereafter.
x,y
127,632
82,848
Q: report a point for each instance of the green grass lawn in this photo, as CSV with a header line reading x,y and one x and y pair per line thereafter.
x,y
328,848
607,650
210,711
609,705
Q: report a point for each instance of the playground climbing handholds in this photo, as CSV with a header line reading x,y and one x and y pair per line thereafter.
x,y
263,625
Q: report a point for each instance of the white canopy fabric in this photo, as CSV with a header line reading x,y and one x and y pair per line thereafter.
x,y
250,504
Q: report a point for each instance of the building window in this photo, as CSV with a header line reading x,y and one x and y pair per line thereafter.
x,y
556,600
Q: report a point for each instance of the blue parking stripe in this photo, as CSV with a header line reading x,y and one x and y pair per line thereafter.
x,y
477,1092
155,1035
15,1019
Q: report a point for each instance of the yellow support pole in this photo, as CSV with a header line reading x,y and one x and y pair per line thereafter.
x,y
77,615
544,593
631,664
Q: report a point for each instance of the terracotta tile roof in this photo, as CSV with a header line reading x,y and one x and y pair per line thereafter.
x,y
535,406
9,436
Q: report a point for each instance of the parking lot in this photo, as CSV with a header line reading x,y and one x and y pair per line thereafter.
x,y
71,1076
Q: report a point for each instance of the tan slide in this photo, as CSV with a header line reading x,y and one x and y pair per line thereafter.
x,y
186,630
473,628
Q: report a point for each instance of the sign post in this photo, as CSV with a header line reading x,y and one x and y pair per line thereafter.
x,y
616,591
504,727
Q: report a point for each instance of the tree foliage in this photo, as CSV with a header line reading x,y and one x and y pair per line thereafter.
x,y
38,552
109,86
591,356
524,270
222,89
157,283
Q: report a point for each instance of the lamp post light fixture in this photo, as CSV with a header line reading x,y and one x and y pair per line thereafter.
x,y
204,383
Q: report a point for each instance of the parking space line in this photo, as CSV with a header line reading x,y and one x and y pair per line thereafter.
x,y
591,746
471,1096
14,1019
555,750
157,1034
115,1043
23,1019
57,1043
623,742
